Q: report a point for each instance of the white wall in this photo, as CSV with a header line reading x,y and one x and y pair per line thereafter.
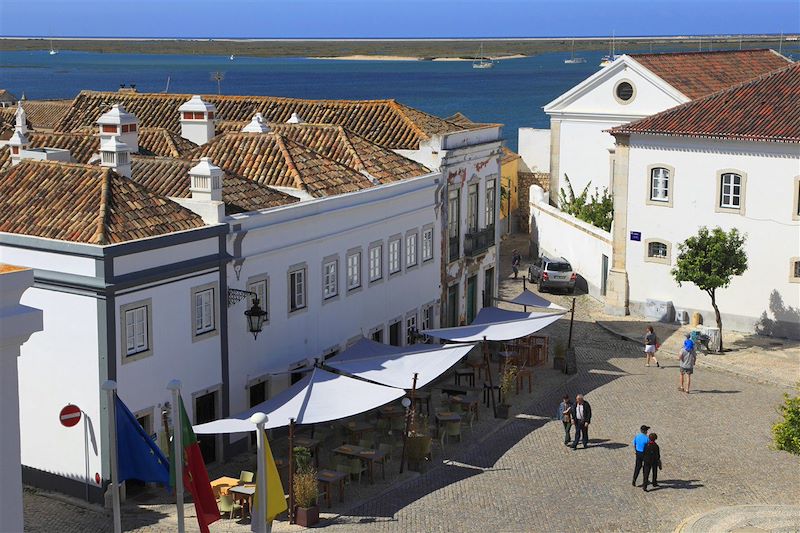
x,y
155,258
561,235
534,147
59,367
584,152
271,242
772,236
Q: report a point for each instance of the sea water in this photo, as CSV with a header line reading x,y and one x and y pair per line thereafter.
x,y
512,93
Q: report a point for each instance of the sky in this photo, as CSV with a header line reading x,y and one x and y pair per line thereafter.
x,y
394,18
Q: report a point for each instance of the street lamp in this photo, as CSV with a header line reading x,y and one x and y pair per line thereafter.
x,y
255,315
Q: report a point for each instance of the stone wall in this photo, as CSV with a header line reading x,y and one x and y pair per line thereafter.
x,y
526,179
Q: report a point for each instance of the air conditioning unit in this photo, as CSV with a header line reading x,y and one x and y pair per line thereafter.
x,y
682,316
714,337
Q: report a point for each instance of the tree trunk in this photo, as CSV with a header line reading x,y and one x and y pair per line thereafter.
x,y
713,295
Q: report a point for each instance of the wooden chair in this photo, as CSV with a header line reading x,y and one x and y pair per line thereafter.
x,y
525,372
356,468
476,365
387,449
451,429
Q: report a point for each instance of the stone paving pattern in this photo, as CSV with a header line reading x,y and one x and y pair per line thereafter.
x,y
519,476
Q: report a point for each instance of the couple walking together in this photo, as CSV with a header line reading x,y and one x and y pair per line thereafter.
x,y
579,415
648,457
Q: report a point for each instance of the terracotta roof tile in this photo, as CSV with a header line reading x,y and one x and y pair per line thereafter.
x,y
45,114
384,122
272,159
764,109
698,74
163,142
83,203
170,177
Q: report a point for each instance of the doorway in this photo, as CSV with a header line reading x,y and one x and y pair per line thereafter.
x,y
394,334
257,394
472,298
205,410
452,306
488,287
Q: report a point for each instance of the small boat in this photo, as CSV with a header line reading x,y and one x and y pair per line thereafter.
x,y
53,51
608,59
574,60
233,57
481,61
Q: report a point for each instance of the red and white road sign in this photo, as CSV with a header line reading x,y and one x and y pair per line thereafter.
x,y
70,415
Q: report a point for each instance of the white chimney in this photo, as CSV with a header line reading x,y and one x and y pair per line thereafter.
x,y
206,188
118,122
197,120
115,155
21,119
256,125
295,119
17,143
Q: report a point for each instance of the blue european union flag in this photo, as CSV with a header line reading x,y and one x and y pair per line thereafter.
x,y
138,456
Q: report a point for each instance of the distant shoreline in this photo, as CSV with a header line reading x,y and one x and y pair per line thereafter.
x,y
411,58
385,49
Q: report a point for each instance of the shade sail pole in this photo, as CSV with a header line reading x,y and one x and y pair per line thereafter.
x,y
409,414
260,518
291,470
111,389
177,448
489,373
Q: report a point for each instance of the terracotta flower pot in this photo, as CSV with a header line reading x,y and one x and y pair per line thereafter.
x,y
307,516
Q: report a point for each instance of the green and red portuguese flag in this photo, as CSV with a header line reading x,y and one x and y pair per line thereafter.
x,y
195,475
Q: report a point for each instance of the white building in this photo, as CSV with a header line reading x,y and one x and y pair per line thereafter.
x,y
731,159
633,87
339,236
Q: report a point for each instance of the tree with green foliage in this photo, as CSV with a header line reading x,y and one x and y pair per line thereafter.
x,y
786,433
710,259
597,209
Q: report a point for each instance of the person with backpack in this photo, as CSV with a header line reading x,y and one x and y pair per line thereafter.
x,y
565,415
687,359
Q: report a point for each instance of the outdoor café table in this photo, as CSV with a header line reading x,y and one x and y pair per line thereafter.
x,y
446,416
470,402
357,428
244,493
224,483
329,477
311,444
365,454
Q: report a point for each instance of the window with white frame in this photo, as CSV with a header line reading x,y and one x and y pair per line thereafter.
x,y
491,200
353,271
427,244
137,330
427,317
394,256
297,289
659,184
330,279
204,311
472,209
730,190
411,327
411,250
376,262
259,287
657,249
794,275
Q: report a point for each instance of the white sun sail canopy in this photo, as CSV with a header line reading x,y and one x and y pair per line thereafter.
x,y
496,324
396,367
530,299
321,396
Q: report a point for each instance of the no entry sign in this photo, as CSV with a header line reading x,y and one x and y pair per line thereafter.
x,y
70,415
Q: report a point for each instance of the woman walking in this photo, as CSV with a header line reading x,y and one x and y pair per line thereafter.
x,y
565,415
650,346
651,461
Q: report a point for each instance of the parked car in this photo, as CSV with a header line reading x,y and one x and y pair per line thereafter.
x,y
552,274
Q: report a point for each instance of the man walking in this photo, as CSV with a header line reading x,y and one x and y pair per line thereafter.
x,y
687,359
582,416
639,443
515,261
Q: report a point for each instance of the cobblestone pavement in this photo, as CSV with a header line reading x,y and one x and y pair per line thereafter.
x,y
520,477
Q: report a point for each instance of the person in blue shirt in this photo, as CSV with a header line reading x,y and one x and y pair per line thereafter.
x,y
639,442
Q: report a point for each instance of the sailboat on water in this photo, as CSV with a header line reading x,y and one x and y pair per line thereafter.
x,y
481,61
574,60
53,51
608,59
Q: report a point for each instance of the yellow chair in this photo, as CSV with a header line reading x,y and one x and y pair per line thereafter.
x,y
356,468
227,505
246,477
451,429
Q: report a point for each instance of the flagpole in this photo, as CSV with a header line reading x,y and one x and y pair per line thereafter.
x,y
110,387
177,448
260,420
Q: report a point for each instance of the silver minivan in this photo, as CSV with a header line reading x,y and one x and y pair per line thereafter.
x,y
552,274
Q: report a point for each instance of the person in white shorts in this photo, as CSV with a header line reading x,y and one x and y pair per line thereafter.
x,y
650,346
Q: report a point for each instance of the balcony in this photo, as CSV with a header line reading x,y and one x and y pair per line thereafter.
x,y
477,242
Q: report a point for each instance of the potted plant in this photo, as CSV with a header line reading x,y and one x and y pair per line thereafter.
x,y
507,382
418,441
305,489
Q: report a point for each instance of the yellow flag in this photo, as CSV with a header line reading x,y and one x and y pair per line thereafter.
x,y
276,498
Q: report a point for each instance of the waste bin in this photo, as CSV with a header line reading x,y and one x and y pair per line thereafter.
x,y
697,319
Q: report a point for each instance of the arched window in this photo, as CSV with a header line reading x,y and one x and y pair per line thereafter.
x,y
659,184
730,190
658,251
